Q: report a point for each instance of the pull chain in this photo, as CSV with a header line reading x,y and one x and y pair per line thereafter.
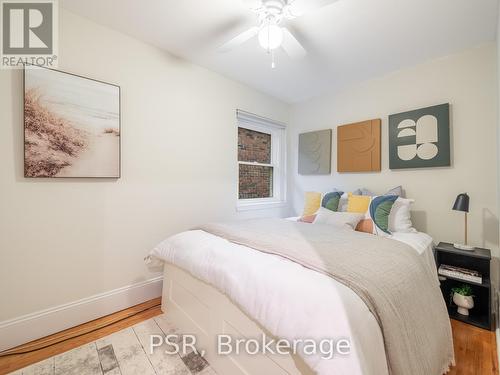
x,y
269,50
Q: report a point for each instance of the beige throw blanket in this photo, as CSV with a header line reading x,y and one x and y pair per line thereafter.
x,y
389,276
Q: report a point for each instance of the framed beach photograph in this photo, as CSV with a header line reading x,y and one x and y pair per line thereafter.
x,y
71,125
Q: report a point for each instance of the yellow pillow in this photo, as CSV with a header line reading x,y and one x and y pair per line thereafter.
x,y
312,203
358,203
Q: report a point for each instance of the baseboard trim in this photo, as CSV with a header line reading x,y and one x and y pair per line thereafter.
x,y
42,323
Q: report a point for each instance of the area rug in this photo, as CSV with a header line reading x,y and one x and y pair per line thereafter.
x,y
124,353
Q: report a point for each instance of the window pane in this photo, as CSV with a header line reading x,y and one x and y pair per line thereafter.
x,y
254,146
255,181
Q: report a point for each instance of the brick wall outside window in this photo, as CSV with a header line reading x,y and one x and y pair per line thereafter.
x,y
254,146
255,181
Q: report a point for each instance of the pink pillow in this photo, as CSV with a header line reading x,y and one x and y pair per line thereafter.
x,y
307,219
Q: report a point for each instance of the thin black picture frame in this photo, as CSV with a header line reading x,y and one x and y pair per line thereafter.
x,y
119,127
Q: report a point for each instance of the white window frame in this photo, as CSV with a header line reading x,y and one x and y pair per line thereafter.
x,y
277,130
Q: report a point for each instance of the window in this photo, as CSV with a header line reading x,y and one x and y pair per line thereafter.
x,y
261,162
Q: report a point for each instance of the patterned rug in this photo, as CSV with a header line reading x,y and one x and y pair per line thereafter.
x,y
124,353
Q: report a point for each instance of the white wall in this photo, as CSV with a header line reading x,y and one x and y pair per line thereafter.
x,y
498,166
469,82
62,240
498,104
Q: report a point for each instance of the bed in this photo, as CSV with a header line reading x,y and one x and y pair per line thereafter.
x,y
213,286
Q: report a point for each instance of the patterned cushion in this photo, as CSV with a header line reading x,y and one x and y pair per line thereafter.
x,y
377,217
331,200
380,208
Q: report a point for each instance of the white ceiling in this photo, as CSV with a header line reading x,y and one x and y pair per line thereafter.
x,y
348,41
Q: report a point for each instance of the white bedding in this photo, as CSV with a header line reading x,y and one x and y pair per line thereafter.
x,y
290,301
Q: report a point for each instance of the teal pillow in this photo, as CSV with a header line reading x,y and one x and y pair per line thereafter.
x,y
331,200
380,208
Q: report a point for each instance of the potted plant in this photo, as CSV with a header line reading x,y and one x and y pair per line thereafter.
x,y
463,298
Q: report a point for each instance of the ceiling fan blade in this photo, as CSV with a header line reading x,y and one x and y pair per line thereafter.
x,y
239,39
292,46
300,7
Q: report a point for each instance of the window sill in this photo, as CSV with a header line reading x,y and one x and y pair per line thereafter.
x,y
260,205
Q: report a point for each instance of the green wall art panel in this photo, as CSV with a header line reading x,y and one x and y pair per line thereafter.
x,y
420,138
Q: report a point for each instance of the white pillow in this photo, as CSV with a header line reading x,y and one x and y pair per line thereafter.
x,y
400,216
346,220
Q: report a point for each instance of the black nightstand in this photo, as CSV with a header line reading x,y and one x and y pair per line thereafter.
x,y
478,260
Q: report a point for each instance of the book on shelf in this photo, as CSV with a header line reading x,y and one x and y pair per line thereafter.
x,y
460,273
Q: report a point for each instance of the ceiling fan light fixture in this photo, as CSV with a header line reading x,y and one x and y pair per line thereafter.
x,y
270,37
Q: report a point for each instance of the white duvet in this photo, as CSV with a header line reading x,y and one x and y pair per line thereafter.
x,y
290,301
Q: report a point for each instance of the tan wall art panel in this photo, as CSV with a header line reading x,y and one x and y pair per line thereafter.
x,y
358,147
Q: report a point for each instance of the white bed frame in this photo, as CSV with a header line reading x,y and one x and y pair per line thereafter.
x,y
196,307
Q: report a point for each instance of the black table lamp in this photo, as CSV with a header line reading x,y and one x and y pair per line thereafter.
x,y
462,204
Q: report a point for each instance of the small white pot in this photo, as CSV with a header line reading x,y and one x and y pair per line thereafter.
x,y
464,303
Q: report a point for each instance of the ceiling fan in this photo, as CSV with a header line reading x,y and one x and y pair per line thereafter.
x,y
270,30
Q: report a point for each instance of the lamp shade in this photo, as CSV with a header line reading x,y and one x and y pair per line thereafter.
x,y
462,203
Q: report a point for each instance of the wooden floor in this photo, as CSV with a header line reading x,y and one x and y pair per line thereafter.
x,y
119,321
475,348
